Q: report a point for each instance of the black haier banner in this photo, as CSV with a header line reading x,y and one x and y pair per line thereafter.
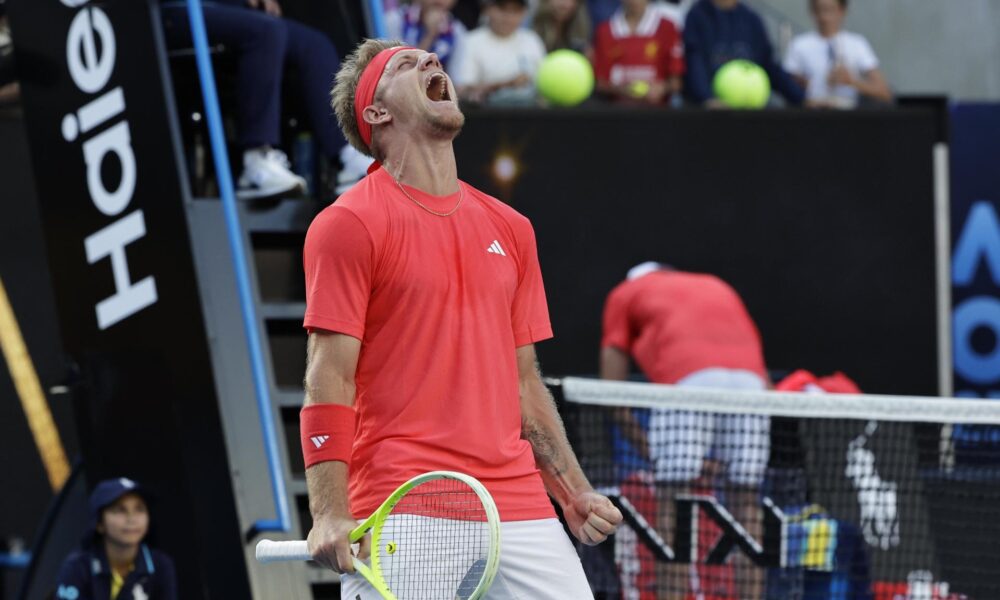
x,y
109,185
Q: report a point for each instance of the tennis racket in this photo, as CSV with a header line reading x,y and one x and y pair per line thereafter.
x,y
437,537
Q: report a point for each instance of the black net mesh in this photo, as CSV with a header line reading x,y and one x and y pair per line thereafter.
x,y
795,496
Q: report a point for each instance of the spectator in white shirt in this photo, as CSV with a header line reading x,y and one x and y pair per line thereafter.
x,y
501,59
836,67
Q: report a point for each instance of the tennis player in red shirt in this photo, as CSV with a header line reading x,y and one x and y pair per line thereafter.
x,y
424,299
692,329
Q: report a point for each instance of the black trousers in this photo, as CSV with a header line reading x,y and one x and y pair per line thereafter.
x,y
264,45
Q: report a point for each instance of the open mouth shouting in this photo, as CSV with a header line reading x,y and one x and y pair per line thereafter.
x,y
436,88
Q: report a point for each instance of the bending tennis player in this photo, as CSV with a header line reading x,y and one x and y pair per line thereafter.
x,y
424,300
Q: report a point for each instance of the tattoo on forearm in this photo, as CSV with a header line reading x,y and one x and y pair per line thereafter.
x,y
545,449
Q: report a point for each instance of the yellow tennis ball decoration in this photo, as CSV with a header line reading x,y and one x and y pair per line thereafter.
x,y
565,78
742,84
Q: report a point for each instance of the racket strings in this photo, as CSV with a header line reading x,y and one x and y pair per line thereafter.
x,y
435,543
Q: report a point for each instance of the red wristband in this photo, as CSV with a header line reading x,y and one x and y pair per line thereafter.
x,y
327,433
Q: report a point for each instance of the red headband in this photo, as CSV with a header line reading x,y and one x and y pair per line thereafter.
x,y
365,94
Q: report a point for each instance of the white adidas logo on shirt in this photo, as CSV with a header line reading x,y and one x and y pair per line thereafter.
x,y
319,440
496,249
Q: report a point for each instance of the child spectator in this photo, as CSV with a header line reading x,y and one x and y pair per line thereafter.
x,y
113,562
836,67
429,25
638,55
563,24
718,31
501,59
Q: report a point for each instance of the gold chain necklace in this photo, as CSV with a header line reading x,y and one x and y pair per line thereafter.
x,y
461,196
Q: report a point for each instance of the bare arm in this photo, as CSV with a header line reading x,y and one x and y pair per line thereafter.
x,y
653,93
871,84
481,92
609,89
615,366
591,516
331,362
434,20
874,85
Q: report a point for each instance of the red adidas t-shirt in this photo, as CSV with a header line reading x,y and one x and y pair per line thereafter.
x,y
675,323
652,52
439,304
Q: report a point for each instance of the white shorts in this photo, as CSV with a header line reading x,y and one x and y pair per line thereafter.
x,y
537,562
680,441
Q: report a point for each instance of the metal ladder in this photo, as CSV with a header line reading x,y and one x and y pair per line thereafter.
x,y
274,235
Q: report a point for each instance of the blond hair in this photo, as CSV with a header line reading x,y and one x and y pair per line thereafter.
x,y
346,85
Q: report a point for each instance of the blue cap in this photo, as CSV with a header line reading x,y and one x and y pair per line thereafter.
x,y
109,491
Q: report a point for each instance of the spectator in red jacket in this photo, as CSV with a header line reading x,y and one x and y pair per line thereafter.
x,y
638,55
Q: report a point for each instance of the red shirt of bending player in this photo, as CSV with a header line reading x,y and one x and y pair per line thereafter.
x,y
675,323
424,299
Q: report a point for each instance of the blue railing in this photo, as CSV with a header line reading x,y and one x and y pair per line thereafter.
x,y
376,16
239,257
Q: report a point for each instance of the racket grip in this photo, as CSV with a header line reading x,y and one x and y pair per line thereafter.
x,y
272,551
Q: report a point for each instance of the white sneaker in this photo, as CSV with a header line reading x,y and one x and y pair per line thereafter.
x,y
353,166
266,173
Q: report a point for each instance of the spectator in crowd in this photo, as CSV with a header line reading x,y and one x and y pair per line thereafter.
x,y
501,59
264,43
431,26
468,13
601,10
836,67
718,31
638,55
691,329
113,561
675,10
563,24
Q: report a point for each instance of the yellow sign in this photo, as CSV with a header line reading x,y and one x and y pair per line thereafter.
x,y
33,401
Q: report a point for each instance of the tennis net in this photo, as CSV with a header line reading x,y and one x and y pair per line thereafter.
x,y
732,494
